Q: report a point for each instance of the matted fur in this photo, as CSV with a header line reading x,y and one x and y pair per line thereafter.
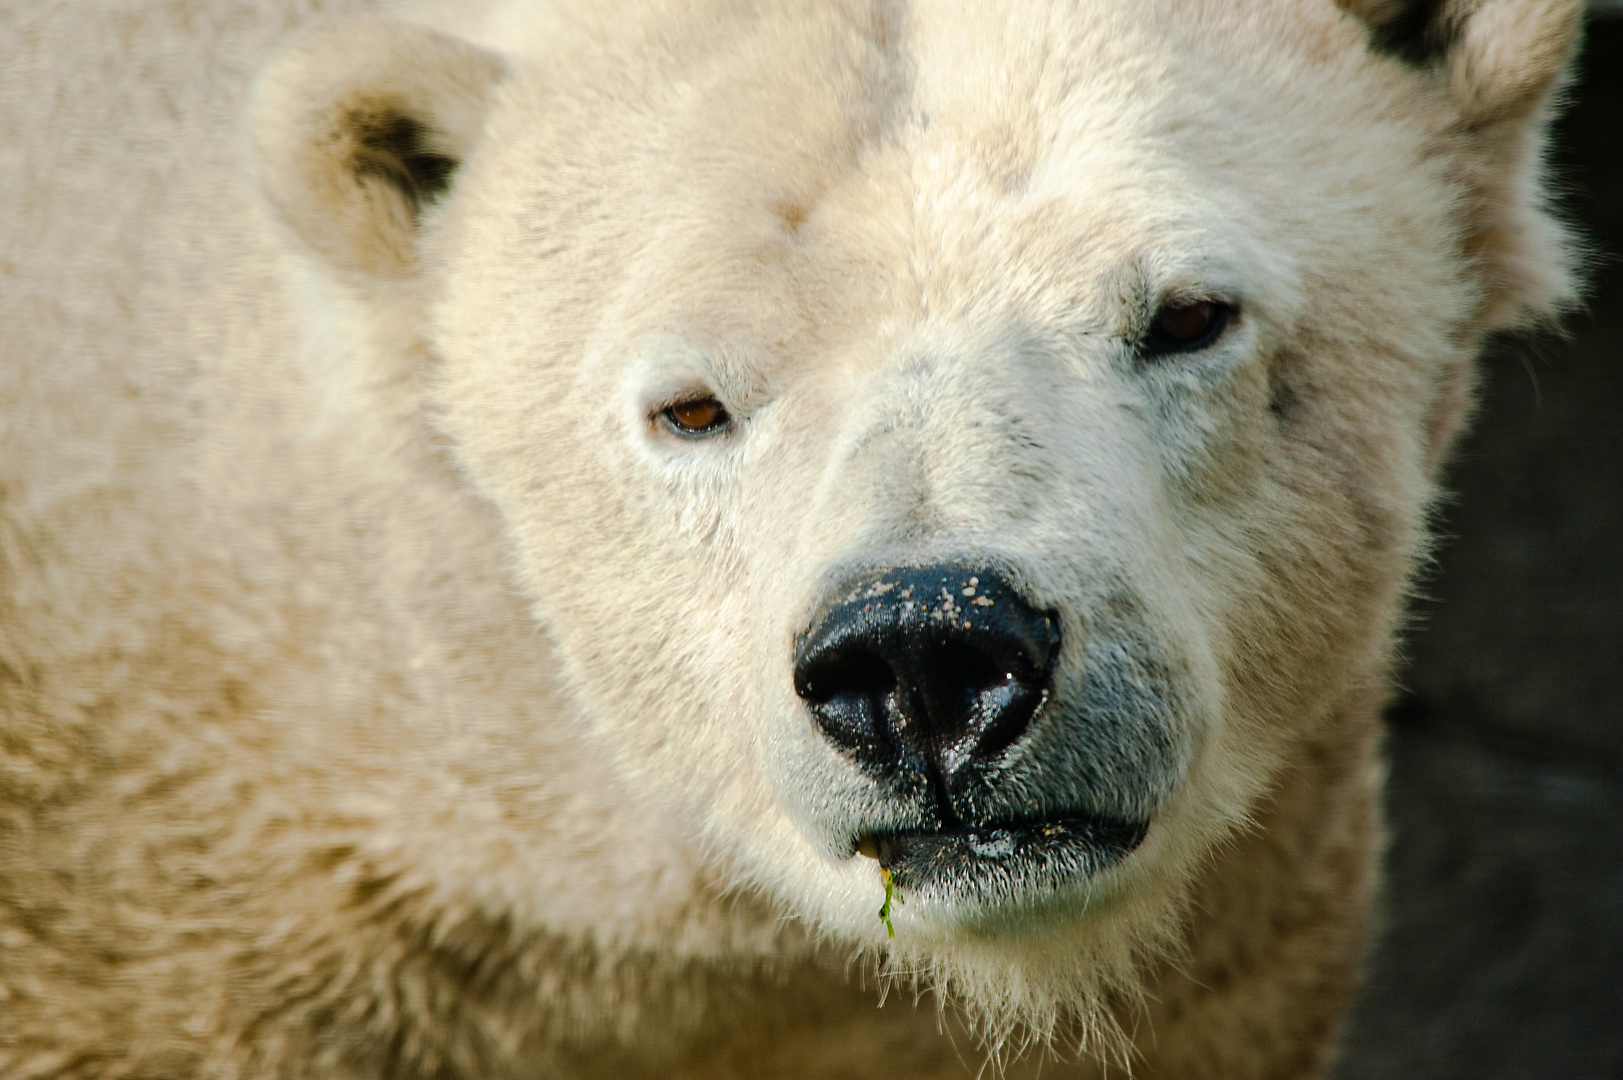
x,y
384,695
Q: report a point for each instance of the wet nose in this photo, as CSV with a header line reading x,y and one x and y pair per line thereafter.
x,y
931,668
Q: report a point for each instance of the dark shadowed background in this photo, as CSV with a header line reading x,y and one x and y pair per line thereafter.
x,y
1501,954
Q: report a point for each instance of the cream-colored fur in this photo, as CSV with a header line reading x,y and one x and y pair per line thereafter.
x,y
386,695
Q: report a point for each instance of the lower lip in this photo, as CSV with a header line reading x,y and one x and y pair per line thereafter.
x,y
1005,862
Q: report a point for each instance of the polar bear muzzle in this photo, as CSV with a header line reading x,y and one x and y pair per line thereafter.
x,y
939,683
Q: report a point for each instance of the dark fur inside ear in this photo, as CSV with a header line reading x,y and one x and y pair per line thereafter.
x,y
1499,59
397,149
1414,32
359,127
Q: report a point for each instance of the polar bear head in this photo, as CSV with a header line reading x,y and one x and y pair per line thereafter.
x,y
971,438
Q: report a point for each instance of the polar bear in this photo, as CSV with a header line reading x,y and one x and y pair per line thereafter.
x,y
528,525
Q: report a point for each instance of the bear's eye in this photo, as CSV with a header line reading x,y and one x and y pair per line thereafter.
x,y
1186,325
697,416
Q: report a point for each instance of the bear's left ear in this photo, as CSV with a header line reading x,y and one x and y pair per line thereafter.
x,y
358,127
1500,63
1502,57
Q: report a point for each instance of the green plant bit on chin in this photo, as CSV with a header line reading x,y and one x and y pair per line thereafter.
x,y
891,893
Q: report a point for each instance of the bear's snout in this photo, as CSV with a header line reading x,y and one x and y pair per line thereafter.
x,y
928,670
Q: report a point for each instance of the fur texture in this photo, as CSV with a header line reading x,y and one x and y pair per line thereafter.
x,y
388,692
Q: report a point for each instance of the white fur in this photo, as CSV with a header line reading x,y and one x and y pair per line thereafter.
x,y
463,690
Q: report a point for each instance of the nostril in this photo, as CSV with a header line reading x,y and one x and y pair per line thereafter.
x,y
849,676
968,670
850,691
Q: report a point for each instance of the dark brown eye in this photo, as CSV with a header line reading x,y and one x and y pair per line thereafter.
x,y
700,416
1187,325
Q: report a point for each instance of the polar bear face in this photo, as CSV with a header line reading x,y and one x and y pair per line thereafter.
x,y
974,441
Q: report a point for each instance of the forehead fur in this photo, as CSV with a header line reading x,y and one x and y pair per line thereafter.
x,y
959,158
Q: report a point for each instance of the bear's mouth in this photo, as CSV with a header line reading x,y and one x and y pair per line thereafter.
x,y
1003,860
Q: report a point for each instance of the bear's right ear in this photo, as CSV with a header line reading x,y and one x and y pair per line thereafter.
x,y
358,127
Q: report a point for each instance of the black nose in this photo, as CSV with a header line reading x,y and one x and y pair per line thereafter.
x,y
931,668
